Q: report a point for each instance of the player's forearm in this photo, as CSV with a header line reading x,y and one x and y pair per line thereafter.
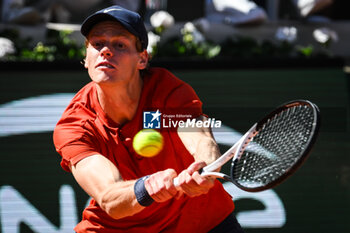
x,y
102,181
130,197
207,150
200,143
119,200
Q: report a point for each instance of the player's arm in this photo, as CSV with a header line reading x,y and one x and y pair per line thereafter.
x,y
102,181
199,141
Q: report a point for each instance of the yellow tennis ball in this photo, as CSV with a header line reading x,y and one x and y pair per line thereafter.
x,y
148,142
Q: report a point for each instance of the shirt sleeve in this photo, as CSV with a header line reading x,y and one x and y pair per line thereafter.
x,y
74,141
184,101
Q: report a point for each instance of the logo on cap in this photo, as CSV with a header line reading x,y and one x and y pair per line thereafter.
x,y
109,10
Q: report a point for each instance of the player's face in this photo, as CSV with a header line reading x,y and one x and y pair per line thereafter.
x,y
111,54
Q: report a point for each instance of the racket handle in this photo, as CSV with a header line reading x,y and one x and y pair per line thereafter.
x,y
176,180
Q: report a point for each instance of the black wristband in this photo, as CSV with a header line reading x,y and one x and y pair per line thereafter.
x,y
142,196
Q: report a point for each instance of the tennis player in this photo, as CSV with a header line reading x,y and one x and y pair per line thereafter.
x,y
131,193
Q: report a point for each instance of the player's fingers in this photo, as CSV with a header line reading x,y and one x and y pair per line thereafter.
x,y
162,196
191,187
204,182
195,184
168,182
151,188
183,180
158,196
192,192
160,185
166,189
195,166
169,187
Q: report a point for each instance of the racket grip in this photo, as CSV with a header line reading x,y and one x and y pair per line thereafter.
x,y
176,182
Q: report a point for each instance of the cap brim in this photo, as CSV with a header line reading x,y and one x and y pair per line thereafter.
x,y
91,21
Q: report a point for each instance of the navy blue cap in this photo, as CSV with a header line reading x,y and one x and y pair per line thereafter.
x,y
130,20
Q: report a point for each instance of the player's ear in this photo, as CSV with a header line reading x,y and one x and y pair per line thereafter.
x,y
83,63
85,52
143,61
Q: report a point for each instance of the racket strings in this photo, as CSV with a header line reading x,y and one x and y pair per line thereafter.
x,y
276,147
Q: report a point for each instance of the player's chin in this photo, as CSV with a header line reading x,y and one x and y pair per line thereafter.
x,y
104,78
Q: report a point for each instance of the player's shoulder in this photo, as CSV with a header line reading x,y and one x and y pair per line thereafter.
x,y
164,77
78,119
81,106
163,88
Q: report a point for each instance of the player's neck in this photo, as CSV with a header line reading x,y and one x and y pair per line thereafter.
x,y
120,102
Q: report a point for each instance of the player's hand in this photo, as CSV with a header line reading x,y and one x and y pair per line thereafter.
x,y
192,183
160,185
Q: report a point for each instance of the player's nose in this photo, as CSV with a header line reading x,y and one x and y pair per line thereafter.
x,y
106,51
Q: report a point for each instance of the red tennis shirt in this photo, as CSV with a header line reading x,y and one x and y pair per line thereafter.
x,y
85,130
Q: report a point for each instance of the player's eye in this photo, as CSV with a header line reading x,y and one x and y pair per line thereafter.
x,y
119,45
97,44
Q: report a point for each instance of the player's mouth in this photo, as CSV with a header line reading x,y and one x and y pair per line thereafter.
x,y
105,65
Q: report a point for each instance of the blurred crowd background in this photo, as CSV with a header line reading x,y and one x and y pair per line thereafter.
x,y
32,12
199,28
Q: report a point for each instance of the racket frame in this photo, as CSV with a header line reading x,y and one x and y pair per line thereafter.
x,y
233,153
304,154
210,170
236,151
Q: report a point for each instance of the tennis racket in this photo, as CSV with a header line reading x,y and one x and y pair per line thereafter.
x,y
272,149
